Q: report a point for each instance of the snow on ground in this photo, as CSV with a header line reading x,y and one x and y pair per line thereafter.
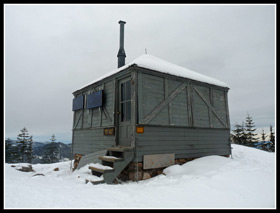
x,y
246,181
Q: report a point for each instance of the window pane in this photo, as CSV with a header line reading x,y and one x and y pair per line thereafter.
x,y
128,111
128,90
122,111
123,92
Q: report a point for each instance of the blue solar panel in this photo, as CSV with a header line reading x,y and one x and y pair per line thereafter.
x,y
94,100
78,103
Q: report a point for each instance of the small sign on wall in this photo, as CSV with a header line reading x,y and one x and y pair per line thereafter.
x,y
109,131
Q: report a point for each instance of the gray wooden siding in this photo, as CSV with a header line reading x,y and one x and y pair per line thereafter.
x,y
219,103
196,105
91,140
184,142
200,109
153,90
88,124
97,117
178,108
77,124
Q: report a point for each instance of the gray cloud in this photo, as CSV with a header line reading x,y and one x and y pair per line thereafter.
x,y
52,50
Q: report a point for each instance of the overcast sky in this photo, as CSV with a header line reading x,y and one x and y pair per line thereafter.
x,y
53,50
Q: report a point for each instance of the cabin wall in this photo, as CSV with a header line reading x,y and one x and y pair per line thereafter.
x,y
167,101
181,116
89,124
183,142
91,140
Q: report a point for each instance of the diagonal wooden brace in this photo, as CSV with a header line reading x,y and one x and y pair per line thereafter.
x,y
210,106
157,110
77,121
104,110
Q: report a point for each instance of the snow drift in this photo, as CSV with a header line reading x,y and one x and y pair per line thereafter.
x,y
245,181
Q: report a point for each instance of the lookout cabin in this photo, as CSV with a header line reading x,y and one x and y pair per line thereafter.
x,y
148,114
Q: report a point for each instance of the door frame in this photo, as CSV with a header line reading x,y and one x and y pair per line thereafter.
x,y
117,107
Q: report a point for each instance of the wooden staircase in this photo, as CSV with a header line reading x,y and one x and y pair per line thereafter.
x,y
112,164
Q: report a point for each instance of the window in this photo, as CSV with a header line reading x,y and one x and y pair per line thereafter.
x,y
94,99
126,101
78,103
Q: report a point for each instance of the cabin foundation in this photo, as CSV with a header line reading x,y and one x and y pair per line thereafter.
x,y
136,172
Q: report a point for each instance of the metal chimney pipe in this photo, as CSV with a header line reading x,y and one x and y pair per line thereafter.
x,y
121,53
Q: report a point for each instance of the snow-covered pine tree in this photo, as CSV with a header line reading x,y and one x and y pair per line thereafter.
x,y
54,150
11,152
23,140
46,157
244,136
237,134
29,150
15,155
51,154
263,145
263,135
8,149
249,127
272,139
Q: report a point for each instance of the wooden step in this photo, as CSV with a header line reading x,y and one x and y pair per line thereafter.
x,y
91,158
110,158
94,182
120,149
98,169
114,162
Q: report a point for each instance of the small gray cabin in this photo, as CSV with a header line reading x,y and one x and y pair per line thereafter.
x,y
148,114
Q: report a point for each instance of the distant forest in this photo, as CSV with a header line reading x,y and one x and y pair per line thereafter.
x,y
244,134
25,150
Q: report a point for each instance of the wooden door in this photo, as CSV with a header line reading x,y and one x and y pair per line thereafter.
x,y
124,112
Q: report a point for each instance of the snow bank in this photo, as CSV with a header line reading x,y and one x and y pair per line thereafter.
x,y
246,181
157,64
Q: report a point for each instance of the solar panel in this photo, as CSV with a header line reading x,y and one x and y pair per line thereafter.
x,y
95,99
78,103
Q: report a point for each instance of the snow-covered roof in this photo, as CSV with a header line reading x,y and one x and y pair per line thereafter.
x,y
159,65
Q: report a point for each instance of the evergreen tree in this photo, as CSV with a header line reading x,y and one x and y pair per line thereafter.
x,y
272,139
249,127
51,154
29,150
244,136
25,146
11,152
237,134
263,135
54,150
22,140
15,154
46,157
263,145
8,149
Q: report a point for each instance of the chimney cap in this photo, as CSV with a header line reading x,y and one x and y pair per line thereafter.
x,y
122,22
